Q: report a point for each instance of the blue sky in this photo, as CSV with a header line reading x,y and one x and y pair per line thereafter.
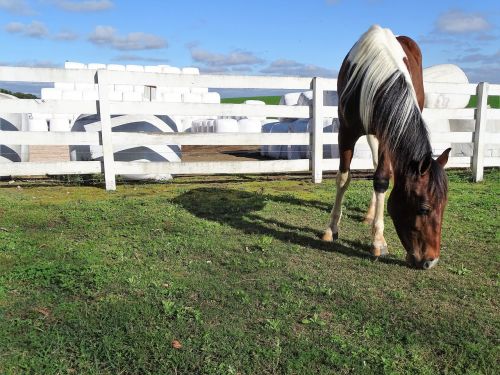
x,y
273,37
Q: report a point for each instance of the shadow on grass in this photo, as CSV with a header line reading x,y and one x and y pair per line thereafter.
x,y
239,209
353,211
53,181
7,182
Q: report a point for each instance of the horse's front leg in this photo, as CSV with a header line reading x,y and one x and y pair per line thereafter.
x,y
332,232
370,214
343,179
380,186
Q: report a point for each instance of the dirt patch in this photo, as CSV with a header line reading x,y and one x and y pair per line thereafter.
x,y
221,153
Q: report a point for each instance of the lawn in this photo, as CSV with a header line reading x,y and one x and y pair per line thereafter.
x,y
493,101
227,275
271,100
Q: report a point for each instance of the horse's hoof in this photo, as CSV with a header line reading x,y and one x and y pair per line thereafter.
x,y
330,237
380,251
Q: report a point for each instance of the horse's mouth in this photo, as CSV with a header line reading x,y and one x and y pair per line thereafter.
x,y
422,264
428,264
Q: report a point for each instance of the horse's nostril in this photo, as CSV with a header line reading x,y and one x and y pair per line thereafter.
x,y
428,264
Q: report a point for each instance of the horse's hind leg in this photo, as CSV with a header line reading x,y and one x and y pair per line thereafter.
x,y
343,179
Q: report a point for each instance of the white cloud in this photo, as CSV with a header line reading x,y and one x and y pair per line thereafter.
x,y
438,38
32,64
294,68
35,29
241,62
481,58
135,58
38,30
205,69
485,73
107,36
84,6
480,67
66,35
484,37
16,6
458,22
218,61
469,41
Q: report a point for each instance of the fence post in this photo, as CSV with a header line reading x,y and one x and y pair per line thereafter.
x,y
317,130
104,113
481,119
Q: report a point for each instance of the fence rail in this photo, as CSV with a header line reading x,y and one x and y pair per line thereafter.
x,y
316,138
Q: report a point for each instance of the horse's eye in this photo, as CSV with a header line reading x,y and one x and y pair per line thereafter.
x,y
422,211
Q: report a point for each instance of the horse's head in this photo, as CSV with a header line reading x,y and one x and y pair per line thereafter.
x,y
416,206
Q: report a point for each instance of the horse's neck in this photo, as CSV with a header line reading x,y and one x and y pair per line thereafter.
x,y
412,147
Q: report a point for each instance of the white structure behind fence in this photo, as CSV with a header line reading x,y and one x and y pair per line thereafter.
x,y
105,107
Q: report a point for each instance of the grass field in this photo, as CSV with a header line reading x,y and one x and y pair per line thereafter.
x,y
493,101
227,276
271,100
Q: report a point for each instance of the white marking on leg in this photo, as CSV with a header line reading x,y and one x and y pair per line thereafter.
x,y
370,214
373,143
379,246
343,180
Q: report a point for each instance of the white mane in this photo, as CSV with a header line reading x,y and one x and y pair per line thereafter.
x,y
375,58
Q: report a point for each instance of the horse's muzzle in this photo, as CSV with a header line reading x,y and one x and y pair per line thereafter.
x,y
428,264
423,264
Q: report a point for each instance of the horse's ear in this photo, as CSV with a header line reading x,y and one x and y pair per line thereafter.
x,y
443,158
425,164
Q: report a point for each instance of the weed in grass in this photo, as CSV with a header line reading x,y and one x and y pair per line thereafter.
x,y
397,294
314,320
169,308
242,296
273,324
460,271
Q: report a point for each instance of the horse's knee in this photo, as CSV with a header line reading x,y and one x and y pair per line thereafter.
x,y
343,179
380,184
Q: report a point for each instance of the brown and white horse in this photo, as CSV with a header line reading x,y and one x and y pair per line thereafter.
x,y
381,93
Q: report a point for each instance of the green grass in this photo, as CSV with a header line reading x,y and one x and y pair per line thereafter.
x,y
232,268
272,100
493,101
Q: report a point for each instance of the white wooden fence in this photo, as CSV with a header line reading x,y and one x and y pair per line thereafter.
x,y
316,138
